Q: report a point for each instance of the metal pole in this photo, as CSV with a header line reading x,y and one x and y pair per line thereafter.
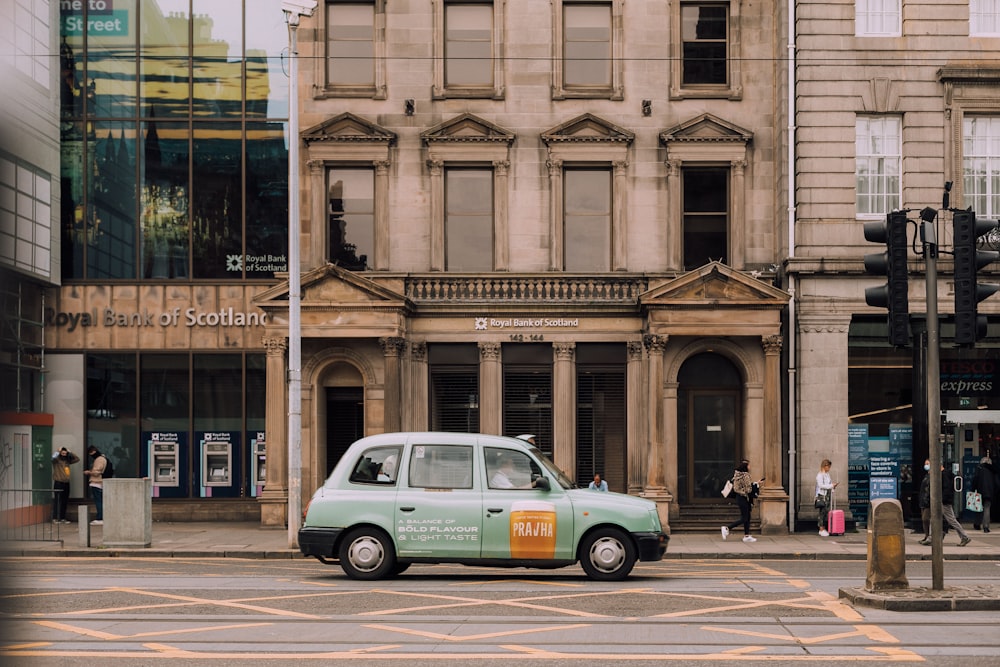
x,y
294,293
934,403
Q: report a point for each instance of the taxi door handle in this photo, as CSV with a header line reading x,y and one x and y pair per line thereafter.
x,y
407,509
494,510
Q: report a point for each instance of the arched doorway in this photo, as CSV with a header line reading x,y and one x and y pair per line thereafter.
x,y
709,418
343,411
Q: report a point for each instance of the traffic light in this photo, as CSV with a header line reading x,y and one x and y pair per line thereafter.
x,y
969,325
892,264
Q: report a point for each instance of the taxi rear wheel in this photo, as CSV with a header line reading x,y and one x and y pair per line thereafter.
x,y
367,553
607,554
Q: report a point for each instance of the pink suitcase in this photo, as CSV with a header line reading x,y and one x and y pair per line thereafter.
x,y
835,518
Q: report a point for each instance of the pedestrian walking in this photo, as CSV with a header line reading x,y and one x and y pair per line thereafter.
x,y
824,489
924,500
96,476
744,492
984,482
62,459
947,505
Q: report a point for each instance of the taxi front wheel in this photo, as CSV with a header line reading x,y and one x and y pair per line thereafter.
x,y
607,554
367,554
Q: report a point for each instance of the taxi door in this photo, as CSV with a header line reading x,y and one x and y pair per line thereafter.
x,y
521,522
438,505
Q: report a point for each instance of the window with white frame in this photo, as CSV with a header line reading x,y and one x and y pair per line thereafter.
x,y
588,49
468,48
878,163
878,18
468,219
984,17
981,164
355,49
25,217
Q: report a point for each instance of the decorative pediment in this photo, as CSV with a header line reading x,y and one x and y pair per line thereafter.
x,y
333,287
348,128
467,128
715,286
706,128
588,128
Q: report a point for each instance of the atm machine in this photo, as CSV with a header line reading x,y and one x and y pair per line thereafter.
x,y
163,463
258,464
216,464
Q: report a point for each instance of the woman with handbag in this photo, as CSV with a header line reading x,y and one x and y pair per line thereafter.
x,y
824,487
744,492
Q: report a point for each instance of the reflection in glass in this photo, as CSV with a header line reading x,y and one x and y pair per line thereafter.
x,y
165,398
587,45
111,419
267,81
351,46
706,215
217,58
111,60
164,201
351,198
217,392
588,219
111,197
469,219
266,200
216,200
75,229
164,58
468,45
704,32
256,391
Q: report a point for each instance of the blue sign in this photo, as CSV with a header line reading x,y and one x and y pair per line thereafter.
x,y
883,487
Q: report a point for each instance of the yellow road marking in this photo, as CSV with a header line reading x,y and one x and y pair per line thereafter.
x,y
189,600
456,601
859,631
15,596
488,635
86,632
21,647
533,582
107,635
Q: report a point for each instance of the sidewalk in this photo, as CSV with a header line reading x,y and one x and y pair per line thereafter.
x,y
250,540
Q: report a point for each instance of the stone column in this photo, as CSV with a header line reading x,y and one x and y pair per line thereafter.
x,y
675,233
773,499
490,388
416,399
655,484
619,227
564,407
737,224
555,214
635,411
274,497
392,347
437,214
501,241
380,262
313,228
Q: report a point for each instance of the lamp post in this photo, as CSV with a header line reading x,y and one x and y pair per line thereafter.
x,y
294,10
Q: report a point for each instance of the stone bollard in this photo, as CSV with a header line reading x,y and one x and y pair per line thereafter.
x,y
83,516
128,512
886,546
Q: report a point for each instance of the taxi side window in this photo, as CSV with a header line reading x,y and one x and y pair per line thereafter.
x,y
509,469
377,466
441,467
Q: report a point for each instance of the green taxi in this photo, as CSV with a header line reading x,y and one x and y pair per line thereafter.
x,y
401,498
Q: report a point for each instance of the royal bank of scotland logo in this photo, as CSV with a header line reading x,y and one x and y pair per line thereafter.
x,y
234,262
481,324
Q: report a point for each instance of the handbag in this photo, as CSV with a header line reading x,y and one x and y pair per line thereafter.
x,y
727,489
821,501
974,501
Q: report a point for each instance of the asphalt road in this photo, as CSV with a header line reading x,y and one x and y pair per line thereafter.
x,y
221,612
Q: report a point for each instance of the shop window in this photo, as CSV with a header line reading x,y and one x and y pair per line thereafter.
x,y
587,221
468,219
984,18
112,387
216,200
981,164
468,47
878,164
351,217
588,49
453,374
355,49
878,18
527,392
706,215
600,419
705,50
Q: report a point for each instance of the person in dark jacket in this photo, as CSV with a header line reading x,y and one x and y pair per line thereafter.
x,y
948,502
984,482
924,498
61,461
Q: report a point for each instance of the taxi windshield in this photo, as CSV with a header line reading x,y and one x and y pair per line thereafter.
x,y
560,476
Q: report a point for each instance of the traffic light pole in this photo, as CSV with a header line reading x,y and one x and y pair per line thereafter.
x,y
929,235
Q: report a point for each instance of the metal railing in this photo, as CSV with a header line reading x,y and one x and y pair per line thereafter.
x,y
26,516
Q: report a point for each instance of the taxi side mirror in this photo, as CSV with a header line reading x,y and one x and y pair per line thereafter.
x,y
542,483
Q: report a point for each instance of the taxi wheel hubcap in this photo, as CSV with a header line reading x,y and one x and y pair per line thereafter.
x,y
607,554
366,553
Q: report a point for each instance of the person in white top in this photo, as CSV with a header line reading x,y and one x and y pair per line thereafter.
x,y
824,489
598,484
